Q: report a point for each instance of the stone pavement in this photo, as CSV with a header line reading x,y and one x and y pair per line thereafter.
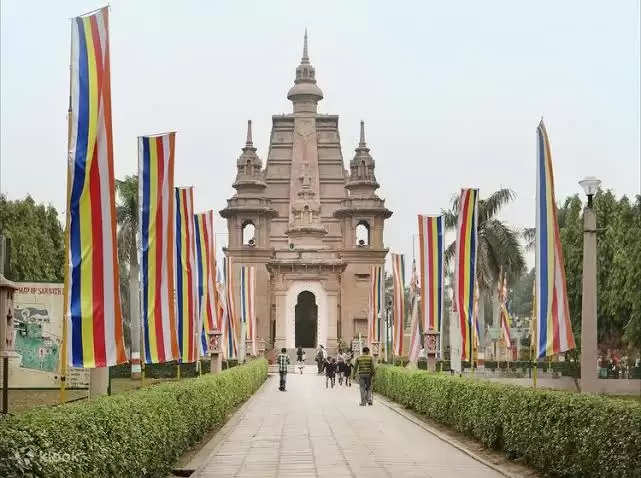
x,y
310,431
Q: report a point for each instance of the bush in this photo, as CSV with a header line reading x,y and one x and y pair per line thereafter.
x,y
558,433
139,433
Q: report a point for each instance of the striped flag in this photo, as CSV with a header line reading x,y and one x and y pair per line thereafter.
x,y
415,328
376,303
231,341
156,247
206,273
186,287
398,276
504,316
476,332
247,312
430,234
465,267
553,314
92,296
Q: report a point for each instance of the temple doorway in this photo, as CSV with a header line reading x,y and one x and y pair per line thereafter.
x,y
306,320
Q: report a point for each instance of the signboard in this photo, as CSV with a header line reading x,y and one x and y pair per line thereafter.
x,y
37,334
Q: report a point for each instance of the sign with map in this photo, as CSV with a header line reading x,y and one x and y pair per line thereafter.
x,y
38,310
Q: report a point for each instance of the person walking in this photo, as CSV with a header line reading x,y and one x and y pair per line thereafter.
x,y
320,359
364,369
299,353
347,369
283,362
330,372
340,366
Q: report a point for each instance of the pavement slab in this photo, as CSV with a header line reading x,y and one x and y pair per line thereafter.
x,y
312,431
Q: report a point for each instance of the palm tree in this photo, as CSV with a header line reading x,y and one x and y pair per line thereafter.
x,y
498,245
127,216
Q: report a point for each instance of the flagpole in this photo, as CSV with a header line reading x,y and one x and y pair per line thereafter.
x,y
534,335
65,293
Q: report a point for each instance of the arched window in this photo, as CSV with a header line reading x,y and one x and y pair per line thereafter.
x,y
362,234
249,234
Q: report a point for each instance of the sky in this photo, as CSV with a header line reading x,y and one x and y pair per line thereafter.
x,y
450,92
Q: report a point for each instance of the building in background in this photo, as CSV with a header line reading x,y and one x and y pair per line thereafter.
x,y
311,228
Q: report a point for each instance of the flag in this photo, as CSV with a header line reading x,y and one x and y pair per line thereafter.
x,y
475,329
156,232
465,267
504,316
230,315
430,234
247,312
92,298
206,273
376,303
186,288
398,276
554,330
415,332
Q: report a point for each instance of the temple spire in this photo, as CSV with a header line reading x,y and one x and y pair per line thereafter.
x,y
362,142
305,59
249,134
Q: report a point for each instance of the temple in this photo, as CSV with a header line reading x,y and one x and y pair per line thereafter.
x,y
311,228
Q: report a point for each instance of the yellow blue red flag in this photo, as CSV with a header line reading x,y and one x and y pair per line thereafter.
x,y
465,268
376,303
247,307
186,289
94,336
398,276
554,329
156,248
206,273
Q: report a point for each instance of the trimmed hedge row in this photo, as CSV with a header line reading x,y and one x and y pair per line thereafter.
x,y
139,433
168,369
559,433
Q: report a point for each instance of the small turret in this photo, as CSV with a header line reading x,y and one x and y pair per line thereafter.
x,y
305,94
249,175
362,181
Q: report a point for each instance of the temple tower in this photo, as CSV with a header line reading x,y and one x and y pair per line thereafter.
x,y
318,228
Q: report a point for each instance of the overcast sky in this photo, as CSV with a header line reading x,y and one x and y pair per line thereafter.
x,y
451,92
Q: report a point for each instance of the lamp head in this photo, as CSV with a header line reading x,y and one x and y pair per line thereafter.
x,y
590,185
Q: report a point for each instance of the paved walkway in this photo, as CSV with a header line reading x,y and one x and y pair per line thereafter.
x,y
309,431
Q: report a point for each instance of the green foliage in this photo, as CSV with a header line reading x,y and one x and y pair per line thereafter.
x,y
140,433
37,240
618,265
521,296
498,244
559,433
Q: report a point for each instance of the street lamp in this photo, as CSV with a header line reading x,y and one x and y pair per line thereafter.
x,y
589,379
590,185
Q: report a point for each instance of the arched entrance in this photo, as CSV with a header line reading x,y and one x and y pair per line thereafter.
x,y
306,320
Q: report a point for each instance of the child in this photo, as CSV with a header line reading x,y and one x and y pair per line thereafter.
x,y
347,370
340,366
330,372
301,363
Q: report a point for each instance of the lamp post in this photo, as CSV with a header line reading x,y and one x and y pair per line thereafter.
x,y
589,379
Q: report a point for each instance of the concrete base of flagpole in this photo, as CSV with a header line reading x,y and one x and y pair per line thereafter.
x,y
216,363
98,381
431,363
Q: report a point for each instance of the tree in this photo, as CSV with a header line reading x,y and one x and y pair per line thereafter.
x,y
498,245
618,267
127,216
37,240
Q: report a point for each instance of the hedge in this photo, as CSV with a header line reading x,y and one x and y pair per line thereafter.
x,y
168,369
558,433
139,433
